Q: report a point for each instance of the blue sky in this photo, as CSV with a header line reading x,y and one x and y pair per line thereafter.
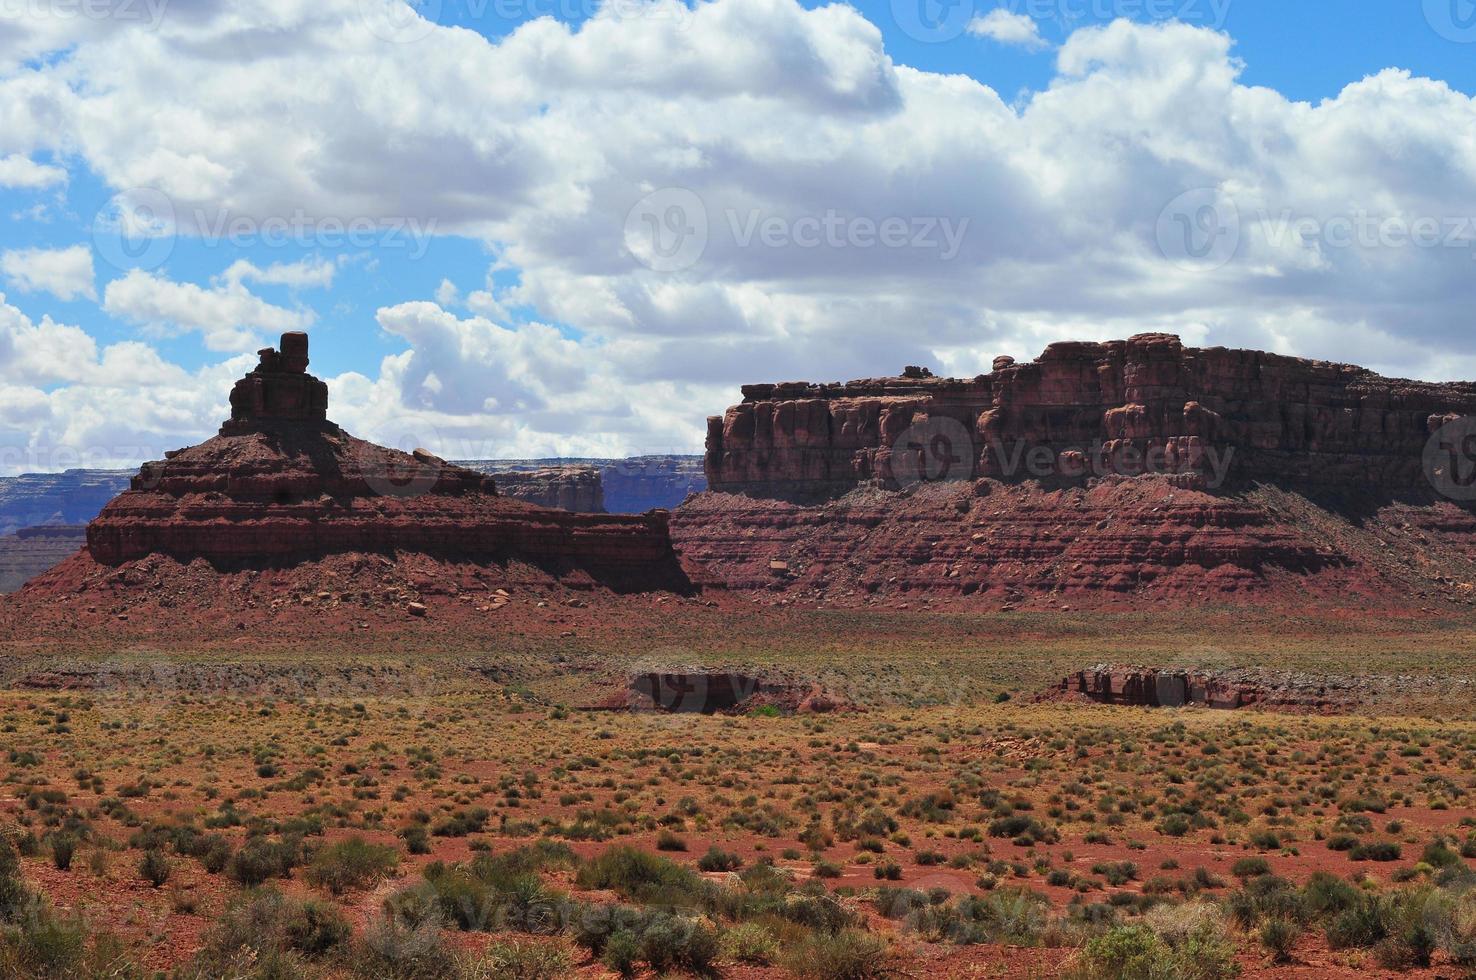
x,y
1055,137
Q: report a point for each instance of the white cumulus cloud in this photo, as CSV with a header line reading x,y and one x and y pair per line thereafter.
x,y
227,315
65,273
763,148
1008,27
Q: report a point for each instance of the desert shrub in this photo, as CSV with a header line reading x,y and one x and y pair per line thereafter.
x,y
1279,936
1186,942
749,942
264,933
1437,855
213,852
1124,953
519,959
351,863
1263,898
622,953
647,879
1415,922
717,859
390,950
887,871
669,942
44,946
1024,829
1376,851
668,841
260,859
846,955
63,846
1250,867
1327,894
1010,915
1195,934
1359,926
154,868
1458,936
416,838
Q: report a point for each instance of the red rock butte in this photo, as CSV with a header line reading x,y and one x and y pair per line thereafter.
x,y
1102,472
1265,417
281,484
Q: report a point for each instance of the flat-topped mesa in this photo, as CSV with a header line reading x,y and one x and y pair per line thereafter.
x,y
282,485
278,391
1206,416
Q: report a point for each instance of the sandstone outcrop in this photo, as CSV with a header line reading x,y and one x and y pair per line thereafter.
x,y
1147,404
1236,688
1101,473
281,485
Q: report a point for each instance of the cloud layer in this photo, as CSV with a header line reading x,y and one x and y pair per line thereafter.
x,y
748,190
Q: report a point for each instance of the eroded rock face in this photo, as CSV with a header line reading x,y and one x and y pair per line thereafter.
x,y
1267,690
696,691
1147,404
281,484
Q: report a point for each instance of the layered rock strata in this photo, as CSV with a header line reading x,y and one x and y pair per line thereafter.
x,y
1146,404
281,485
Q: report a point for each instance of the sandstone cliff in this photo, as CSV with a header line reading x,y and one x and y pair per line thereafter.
x,y
1215,416
1120,472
